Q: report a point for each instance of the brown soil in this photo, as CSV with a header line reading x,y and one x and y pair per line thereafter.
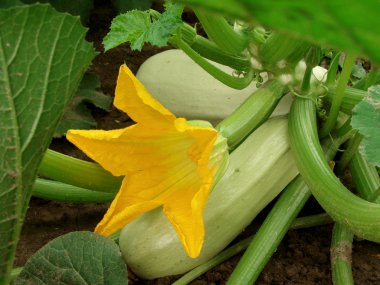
x,y
302,257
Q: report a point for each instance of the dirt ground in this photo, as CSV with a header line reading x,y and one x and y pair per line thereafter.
x,y
302,258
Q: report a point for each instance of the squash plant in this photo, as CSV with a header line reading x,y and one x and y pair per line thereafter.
x,y
209,181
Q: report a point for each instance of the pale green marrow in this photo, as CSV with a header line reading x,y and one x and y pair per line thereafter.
x,y
258,170
187,90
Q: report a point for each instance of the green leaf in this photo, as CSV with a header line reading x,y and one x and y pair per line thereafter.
x,y
43,56
139,27
366,119
123,6
76,258
77,115
353,28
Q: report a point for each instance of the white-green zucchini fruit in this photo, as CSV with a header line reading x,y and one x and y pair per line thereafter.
x,y
257,172
188,91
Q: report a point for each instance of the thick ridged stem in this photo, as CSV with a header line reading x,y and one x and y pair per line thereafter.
x,y
251,113
360,216
341,254
352,96
77,172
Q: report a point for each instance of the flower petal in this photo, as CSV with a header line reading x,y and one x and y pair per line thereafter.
x,y
185,213
131,149
132,98
122,211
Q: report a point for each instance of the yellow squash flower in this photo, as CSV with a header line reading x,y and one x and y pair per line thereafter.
x,y
165,161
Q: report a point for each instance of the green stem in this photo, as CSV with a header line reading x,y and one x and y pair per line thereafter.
x,y
348,154
270,233
366,178
305,87
331,75
251,114
57,191
344,128
352,96
275,226
341,255
337,99
240,246
70,170
210,50
229,80
221,32
311,221
358,215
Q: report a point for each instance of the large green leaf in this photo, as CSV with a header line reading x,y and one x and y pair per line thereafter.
x,y
366,119
353,26
78,258
43,56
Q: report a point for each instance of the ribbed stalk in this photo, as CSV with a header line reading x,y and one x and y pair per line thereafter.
x,y
360,216
57,191
341,255
221,32
352,96
77,172
251,114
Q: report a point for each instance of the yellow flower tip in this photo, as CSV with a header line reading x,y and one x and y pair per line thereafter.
x,y
132,98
